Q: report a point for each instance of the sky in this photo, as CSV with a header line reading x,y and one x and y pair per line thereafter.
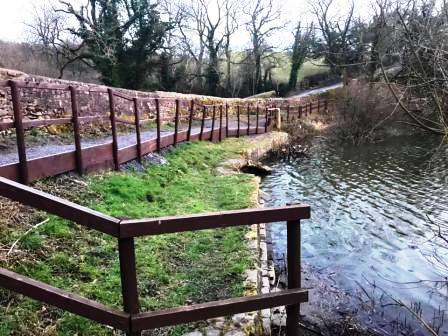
x,y
14,14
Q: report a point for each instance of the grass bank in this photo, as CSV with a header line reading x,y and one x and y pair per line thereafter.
x,y
173,269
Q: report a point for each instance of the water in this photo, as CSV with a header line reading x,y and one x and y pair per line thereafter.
x,y
376,210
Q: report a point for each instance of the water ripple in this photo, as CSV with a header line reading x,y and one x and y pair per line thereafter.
x,y
370,208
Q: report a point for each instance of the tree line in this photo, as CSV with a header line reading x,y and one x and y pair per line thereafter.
x,y
192,45
180,45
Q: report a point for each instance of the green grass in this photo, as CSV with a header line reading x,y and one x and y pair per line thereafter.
x,y
310,67
283,69
172,269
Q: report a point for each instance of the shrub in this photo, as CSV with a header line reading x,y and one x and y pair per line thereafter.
x,y
362,111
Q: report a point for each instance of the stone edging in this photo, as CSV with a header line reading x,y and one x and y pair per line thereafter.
x,y
260,277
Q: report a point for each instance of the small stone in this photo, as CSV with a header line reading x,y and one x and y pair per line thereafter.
x,y
278,320
239,319
219,324
211,332
252,277
193,333
235,333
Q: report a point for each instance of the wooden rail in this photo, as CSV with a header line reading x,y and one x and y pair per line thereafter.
x,y
72,303
215,125
156,226
131,319
60,207
209,310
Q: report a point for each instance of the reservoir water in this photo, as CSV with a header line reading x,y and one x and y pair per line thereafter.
x,y
377,213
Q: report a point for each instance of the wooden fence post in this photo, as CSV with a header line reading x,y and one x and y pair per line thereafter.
x,y
227,120
266,121
190,120
287,113
76,130
310,108
300,111
248,119
238,116
213,122
176,122
137,129
258,117
158,124
20,133
294,275
326,105
113,123
128,272
220,122
204,110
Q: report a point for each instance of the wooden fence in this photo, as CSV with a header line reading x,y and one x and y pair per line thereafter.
x,y
131,320
250,119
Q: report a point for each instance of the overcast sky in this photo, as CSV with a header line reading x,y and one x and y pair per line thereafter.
x,y
14,13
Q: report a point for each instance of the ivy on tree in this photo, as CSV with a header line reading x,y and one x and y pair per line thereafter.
x,y
120,39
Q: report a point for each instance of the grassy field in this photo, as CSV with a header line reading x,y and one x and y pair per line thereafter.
x,y
173,269
281,72
310,67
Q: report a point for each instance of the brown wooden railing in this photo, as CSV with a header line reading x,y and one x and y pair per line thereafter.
x,y
250,119
131,319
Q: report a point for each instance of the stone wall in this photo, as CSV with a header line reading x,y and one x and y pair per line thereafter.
x,y
49,103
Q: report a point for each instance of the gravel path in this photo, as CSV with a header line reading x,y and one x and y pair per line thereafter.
x,y
52,147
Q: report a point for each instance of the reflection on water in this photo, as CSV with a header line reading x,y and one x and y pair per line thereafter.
x,y
375,211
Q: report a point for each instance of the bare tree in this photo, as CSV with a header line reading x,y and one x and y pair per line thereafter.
x,y
231,26
421,36
263,22
47,32
300,50
335,32
214,41
193,36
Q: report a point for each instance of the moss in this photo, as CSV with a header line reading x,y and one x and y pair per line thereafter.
x,y
173,269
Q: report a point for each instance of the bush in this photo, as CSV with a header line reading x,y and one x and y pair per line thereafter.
x,y
363,110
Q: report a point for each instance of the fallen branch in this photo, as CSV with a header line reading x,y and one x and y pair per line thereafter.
x,y
25,234
418,317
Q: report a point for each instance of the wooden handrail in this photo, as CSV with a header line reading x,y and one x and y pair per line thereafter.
x,y
69,302
209,310
27,124
131,320
60,207
162,225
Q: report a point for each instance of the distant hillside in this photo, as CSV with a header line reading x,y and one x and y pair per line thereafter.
x,y
29,59
310,67
281,71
